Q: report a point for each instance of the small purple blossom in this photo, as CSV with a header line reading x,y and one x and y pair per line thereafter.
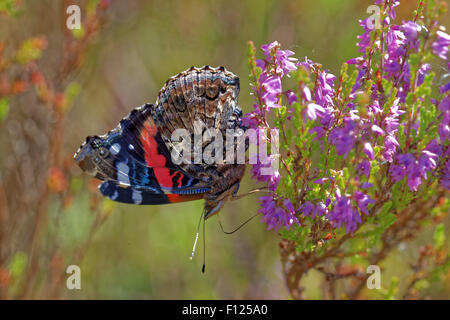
x,y
343,213
306,208
271,86
441,44
344,138
410,30
414,169
276,216
363,168
368,150
362,200
284,63
261,169
314,110
291,97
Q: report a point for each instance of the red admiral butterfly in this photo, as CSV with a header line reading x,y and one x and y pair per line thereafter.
x,y
134,159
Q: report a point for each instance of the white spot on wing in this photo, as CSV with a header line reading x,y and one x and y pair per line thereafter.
x,y
137,197
122,173
115,148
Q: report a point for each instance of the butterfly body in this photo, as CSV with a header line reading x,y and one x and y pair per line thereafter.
x,y
135,159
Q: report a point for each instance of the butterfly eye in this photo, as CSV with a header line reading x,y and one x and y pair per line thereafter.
x,y
103,152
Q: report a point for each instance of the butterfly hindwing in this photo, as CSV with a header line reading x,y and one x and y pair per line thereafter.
x,y
145,196
195,100
133,154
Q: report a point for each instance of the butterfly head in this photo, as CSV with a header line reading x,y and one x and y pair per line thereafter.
x,y
95,158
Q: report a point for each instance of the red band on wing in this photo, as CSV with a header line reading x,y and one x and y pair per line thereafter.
x,y
154,159
183,197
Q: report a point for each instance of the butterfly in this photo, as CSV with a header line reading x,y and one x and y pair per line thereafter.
x,y
135,160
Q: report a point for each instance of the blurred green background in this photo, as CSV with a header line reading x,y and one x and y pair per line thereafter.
x,y
142,251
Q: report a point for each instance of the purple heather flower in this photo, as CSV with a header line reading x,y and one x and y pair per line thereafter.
x,y
366,185
283,60
356,61
390,147
441,44
444,106
444,129
377,130
364,39
375,107
290,218
444,126
363,168
307,93
306,64
445,178
362,200
320,132
394,4
406,162
290,95
268,48
274,216
319,210
344,213
410,30
426,162
415,170
343,138
391,122
263,171
444,88
423,70
271,179
368,150
252,119
314,110
271,86
306,208
395,42
361,73
321,180
324,91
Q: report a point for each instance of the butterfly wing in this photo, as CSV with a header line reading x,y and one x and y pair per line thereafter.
x,y
195,100
133,157
147,196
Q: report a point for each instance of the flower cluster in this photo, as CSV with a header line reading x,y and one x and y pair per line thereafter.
x,y
267,89
347,140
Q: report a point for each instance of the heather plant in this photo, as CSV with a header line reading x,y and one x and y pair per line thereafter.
x,y
35,160
364,155
363,161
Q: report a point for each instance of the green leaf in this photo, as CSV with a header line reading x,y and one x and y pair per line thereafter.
x,y
439,236
18,264
4,108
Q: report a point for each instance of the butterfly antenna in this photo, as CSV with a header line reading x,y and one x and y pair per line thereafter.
x,y
196,237
242,224
239,196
